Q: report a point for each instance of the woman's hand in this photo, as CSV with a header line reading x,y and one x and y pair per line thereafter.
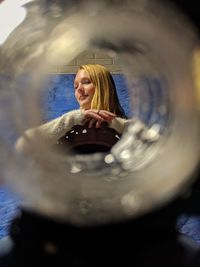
x,y
96,117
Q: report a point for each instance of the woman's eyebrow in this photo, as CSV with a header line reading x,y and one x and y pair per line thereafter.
x,y
85,79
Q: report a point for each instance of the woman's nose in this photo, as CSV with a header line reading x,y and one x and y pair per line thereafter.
x,y
80,88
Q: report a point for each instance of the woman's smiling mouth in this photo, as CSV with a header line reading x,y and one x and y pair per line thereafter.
x,y
82,97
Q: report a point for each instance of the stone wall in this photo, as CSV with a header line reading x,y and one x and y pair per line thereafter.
x,y
89,57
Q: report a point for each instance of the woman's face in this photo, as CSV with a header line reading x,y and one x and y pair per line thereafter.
x,y
84,89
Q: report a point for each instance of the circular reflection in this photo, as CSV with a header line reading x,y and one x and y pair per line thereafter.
x,y
158,151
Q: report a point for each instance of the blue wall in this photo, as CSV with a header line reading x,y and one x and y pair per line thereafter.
x,y
59,95
149,94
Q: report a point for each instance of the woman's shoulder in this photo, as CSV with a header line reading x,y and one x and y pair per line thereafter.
x,y
67,115
74,112
73,116
61,121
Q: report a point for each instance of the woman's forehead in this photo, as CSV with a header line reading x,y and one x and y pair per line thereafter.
x,y
81,74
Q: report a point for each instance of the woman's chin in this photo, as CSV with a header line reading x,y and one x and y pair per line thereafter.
x,y
85,106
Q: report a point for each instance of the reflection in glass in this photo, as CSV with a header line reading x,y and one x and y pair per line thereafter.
x,y
141,171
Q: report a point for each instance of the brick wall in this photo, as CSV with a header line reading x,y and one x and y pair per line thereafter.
x,y
89,57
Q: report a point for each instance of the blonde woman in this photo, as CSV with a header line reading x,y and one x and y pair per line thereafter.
x,y
96,94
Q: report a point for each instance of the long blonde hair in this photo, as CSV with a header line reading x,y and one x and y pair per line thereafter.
x,y
105,96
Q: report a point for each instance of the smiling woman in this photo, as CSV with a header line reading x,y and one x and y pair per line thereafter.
x,y
100,91
84,89
96,94
101,196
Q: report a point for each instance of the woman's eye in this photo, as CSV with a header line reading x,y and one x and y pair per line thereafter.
x,y
86,82
83,82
